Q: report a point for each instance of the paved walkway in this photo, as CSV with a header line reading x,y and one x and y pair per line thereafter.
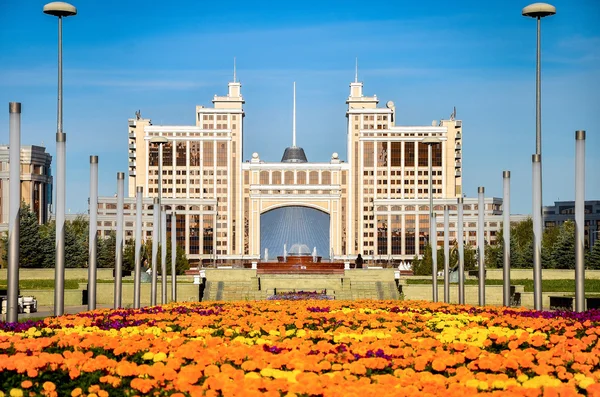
x,y
48,311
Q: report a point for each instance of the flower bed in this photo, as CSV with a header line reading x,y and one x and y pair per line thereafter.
x,y
300,296
303,348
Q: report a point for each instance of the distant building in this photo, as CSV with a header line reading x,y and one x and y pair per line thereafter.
x,y
376,202
36,182
563,211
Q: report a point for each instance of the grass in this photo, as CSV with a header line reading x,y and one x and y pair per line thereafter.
x,y
40,284
69,284
591,286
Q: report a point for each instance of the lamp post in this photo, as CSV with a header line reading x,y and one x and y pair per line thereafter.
x,y
538,11
14,204
430,141
579,220
93,234
60,9
160,141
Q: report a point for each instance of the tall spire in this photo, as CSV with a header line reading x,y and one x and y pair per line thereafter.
x,y
356,71
294,119
234,76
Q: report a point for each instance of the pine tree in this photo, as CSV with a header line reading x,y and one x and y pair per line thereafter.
x,y
593,262
563,250
48,242
423,266
106,251
29,239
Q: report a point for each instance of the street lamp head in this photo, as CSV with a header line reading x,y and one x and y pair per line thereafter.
x,y
159,140
431,140
538,10
60,9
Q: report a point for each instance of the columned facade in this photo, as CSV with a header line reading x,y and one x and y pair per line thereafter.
x,y
377,198
36,182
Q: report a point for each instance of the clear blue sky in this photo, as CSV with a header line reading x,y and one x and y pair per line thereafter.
x,y
427,56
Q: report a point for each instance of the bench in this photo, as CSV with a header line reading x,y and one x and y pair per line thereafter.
x,y
568,302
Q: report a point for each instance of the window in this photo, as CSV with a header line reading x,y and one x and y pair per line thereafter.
x,y
194,153
382,154
396,154
264,177
208,154
409,155
301,177
181,153
221,154
423,155
368,154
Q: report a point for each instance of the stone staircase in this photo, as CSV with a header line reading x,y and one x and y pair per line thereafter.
x,y
351,285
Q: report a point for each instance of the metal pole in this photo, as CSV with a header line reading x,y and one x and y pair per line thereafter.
x,y
93,234
579,220
481,244
538,90
155,242
174,257
14,208
506,237
461,254
215,233
163,255
61,142
119,240
432,232
139,207
446,254
537,231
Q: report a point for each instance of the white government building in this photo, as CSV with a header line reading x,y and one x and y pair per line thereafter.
x,y
375,202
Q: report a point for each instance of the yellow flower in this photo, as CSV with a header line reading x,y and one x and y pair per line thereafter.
x,y
148,356
252,375
159,357
584,383
16,393
522,378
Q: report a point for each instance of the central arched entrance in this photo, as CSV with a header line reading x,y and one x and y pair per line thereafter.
x,y
294,225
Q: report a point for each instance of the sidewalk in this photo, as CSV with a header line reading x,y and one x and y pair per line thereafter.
x,y
48,311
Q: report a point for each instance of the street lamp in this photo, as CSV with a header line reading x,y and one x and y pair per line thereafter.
x,y
430,141
160,141
60,10
538,11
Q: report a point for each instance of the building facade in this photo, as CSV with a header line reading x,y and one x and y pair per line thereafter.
x,y
36,182
562,211
377,200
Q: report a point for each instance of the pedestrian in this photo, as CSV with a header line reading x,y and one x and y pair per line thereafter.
x,y
358,262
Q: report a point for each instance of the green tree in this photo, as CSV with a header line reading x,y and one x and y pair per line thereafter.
x,y
470,257
106,250
521,244
47,237
181,260
563,250
593,259
549,238
422,266
30,248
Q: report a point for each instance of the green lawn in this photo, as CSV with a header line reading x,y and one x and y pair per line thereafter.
x,y
591,286
69,284
40,284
